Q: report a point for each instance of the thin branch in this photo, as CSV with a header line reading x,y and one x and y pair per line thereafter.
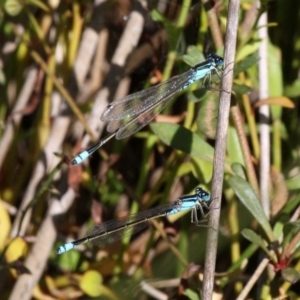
x,y
16,115
238,123
127,43
215,29
220,149
264,115
264,263
37,259
150,290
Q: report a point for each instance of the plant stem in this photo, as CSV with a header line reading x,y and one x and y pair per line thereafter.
x,y
219,158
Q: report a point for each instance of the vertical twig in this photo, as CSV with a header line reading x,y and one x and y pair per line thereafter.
x,y
37,259
215,30
16,115
238,123
219,158
254,278
264,115
126,44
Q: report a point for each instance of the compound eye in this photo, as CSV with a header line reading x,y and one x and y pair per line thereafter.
x,y
207,197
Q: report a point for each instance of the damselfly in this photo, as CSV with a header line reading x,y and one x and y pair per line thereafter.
x,y
114,230
131,113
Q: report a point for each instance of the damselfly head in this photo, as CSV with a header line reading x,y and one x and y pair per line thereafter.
x,y
202,194
218,60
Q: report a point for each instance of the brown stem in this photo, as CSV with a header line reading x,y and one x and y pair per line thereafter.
x,y
219,158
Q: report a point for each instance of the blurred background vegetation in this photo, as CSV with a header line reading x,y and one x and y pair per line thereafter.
x,y
61,63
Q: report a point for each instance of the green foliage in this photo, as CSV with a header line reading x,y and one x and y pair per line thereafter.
x,y
256,240
56,57
248,197
90,283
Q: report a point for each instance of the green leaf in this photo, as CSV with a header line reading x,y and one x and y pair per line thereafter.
x,y
296,253
245,64
248,197
290,275
2,76
293,183
234,147
239,170
201,169
91,283
173,32
193,56
255,239
13,7
293,90
208,115
241,89
183,139
69,261
180,138
199,94
290,229
40,4
275,71
279,225
247,50
191,294
184,169
241,263
275,78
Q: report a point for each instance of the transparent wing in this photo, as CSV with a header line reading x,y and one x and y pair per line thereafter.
x,y
116,235
115,230
137,103
132,125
